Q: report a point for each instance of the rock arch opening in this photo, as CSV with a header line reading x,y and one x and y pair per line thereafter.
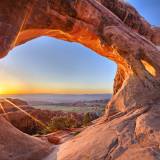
x,y
65,67
149,68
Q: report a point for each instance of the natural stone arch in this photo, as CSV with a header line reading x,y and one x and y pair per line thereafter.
x,y
115,30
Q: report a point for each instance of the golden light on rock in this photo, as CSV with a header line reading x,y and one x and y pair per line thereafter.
x,y
28,114
3,110
149,68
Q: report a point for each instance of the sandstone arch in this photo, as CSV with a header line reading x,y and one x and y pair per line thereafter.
x,y
115,30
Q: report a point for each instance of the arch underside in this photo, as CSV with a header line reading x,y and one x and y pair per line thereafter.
x,y
116,31
110,32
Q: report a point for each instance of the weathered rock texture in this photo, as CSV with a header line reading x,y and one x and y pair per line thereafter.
x,y
15,145
130,129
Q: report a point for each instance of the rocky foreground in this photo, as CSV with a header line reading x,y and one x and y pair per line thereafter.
x,y
10,115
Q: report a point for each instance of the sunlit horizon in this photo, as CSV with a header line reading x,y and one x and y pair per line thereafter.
x,y
50,66
61,92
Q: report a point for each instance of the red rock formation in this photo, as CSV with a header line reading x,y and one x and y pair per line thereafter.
x,y
114,30
15,145
9,108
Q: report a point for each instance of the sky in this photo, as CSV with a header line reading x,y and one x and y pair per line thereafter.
x,y
48,65
149,9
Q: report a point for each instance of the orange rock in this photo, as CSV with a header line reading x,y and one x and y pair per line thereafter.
x,y
53,139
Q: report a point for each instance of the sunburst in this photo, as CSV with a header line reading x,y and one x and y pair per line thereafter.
x,y
1,90
28,114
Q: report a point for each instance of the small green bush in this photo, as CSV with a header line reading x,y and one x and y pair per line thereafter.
x,y
86,119
76,133
59,123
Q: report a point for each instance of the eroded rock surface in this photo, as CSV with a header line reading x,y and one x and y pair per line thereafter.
x,y
116,31
15,145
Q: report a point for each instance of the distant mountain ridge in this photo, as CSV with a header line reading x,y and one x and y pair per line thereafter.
x,y
41,99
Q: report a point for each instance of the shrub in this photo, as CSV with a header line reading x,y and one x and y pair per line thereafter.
x,y
59,123
86,119
76,133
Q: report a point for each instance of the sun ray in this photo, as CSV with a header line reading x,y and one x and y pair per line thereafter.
x,y
26,17
28,114
3,110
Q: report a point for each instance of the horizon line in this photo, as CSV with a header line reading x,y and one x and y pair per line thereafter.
x,y
54,93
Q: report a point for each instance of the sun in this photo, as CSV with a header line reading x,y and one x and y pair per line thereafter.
x,y
1,90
